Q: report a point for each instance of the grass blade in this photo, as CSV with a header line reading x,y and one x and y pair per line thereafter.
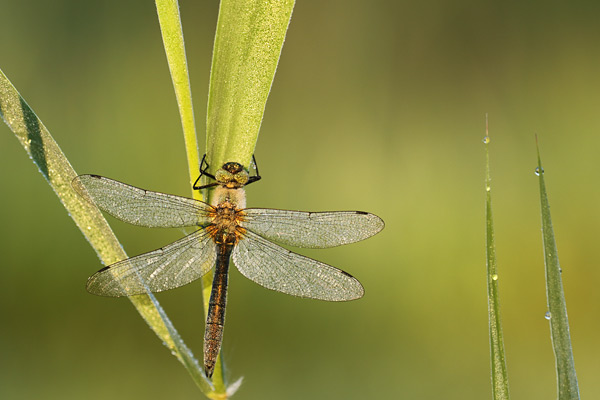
x,y
497,357
59,173
248,43
568,388
172,35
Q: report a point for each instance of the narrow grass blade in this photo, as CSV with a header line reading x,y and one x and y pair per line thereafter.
x,y
59,173
497,358
568,388
172,35
248,43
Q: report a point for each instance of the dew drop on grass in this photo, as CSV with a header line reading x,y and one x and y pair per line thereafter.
x,y
495,277
537,171
486,139
548,315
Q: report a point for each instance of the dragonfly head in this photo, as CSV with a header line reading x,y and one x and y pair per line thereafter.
x,y
232,175
233,167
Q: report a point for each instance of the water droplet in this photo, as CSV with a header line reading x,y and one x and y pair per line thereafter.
x,y
488,188
548,315
486,139
495,277
537,171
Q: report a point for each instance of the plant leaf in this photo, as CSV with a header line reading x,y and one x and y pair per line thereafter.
x,y
497,356
568,388
59,173
172,35
248,43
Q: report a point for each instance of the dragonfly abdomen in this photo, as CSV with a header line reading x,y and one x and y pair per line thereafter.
x,y
215,320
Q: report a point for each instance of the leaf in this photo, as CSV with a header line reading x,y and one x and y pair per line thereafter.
x,y
568,388
497,356
248,43
59,173
172,35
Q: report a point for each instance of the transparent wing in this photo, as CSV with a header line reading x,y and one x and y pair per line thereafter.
x,y
169,267
141,207
279,269
315,230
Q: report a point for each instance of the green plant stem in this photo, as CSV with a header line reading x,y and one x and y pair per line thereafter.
x,y
172,35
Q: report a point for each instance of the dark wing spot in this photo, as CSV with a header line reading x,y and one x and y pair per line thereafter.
x,y
103,269
345,273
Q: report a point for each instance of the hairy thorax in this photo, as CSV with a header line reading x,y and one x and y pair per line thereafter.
x,y
227,215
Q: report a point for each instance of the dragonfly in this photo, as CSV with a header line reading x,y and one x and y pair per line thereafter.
x,y
226,230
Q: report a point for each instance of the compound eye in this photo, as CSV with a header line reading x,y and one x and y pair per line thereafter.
x,y
223,176
233,167
241,177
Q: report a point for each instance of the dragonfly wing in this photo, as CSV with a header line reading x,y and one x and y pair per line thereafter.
x,y
141,207
279,269
169,267
315,230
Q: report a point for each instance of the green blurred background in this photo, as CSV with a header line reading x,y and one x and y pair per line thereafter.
x,y
376,106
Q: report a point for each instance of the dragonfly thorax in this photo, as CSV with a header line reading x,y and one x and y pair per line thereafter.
x,y
225,227
235,197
